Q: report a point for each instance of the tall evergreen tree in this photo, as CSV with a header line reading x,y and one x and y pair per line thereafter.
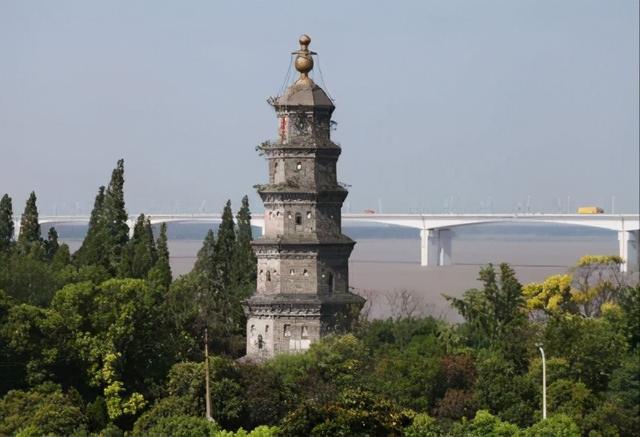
x,y
160,274
225,249
206,259
92,250
115,218
29,226
6,223
245,263
139,254
51,244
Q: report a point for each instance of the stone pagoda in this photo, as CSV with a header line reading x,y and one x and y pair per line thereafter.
x,y
303,258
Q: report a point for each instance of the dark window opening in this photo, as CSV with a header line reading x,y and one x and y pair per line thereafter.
x,y
298,218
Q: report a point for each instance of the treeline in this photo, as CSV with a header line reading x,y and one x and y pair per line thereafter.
x,y
103,342
87,339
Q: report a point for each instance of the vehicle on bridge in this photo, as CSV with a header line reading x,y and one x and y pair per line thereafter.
x,y
590,210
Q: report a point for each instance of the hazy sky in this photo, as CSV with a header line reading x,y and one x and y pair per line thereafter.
x,y
483,102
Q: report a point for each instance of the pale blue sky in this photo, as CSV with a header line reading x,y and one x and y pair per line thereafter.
x,y
436,100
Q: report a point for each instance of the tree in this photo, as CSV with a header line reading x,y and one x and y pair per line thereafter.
x,y
225,250
139,255
160,274
354,412
114,218
51,244
422,425
503,390
121,337
27,278
6,223
45,408
485,424
496,314
593,348
92,250
594,281
558,425
245,262
597,280
552,296
183,426
29,226
205,264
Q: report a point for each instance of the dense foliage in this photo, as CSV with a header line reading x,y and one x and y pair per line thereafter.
x,y
104,342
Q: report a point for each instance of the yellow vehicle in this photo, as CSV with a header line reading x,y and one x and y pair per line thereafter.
x,y
590,210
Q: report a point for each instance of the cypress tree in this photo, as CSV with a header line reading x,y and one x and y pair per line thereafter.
x,y
245,264
225,249
115,218
29,226
92,250
51,245
139,255
160,274
205,260
6,223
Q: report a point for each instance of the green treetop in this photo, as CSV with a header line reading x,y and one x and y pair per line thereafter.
x,y
161,272
225,249
92,250
115,217
29,226
51,244
496,314
245,263
139,255
6,222
205,260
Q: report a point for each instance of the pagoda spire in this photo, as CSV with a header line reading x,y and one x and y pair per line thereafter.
x,y
304,60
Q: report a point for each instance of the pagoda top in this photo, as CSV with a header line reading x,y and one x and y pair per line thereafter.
x,y
304,91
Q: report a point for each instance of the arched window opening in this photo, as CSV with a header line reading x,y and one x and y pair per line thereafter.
x,y
308,214
299,166
305,273
292,272
298,218
268,276
287,330
260,341
328,280
305,332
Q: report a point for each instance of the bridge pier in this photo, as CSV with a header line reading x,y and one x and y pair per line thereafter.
x,y
131,223
629,248
435,247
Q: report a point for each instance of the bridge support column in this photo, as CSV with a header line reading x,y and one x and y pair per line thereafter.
x,y
131,224
435,247
629,245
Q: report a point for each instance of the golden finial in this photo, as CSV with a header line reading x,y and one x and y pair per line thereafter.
x,y
304,60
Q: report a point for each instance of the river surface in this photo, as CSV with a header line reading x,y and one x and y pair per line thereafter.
x,y
386,260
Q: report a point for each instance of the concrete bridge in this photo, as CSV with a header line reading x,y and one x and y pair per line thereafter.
x,y
435,229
